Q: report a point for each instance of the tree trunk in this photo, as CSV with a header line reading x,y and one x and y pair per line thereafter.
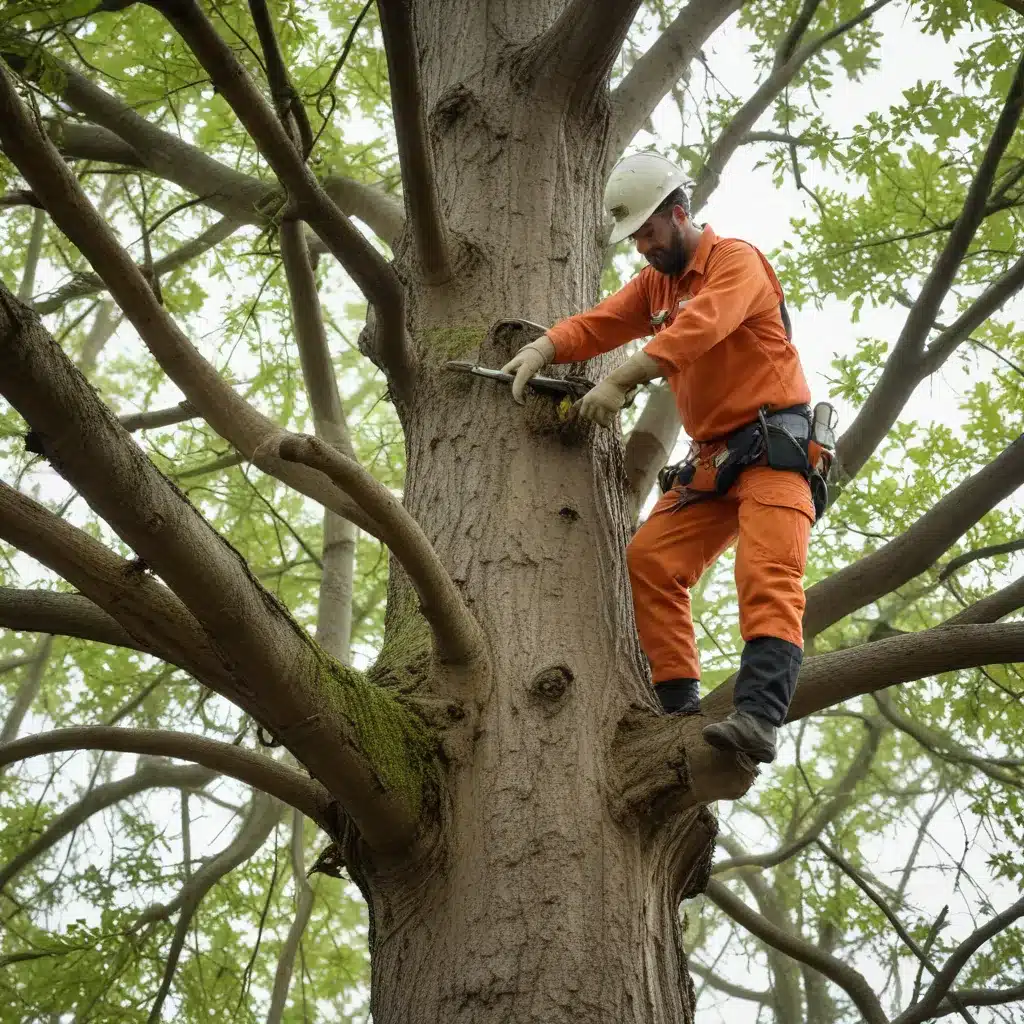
x,y
542,904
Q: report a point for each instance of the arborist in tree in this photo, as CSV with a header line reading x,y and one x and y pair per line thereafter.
x,y
722,339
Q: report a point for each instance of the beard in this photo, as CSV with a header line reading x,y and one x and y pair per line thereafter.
x,y
670,259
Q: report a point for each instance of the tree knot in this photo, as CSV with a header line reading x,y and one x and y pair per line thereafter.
x,y
552,683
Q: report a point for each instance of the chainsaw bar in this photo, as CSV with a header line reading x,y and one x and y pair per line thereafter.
x,y
574,387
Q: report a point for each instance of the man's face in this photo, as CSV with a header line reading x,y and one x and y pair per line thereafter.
x,y
660,241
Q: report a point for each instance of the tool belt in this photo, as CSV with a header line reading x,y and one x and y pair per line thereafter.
x,y
790,439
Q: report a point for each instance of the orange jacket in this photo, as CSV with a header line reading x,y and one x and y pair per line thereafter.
x,y
721,339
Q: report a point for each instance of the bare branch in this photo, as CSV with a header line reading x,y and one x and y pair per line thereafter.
x,y
748,115
107,320
939,988
841,799
423,204
35,247
303,910
89,284
653,75
908,359
264,814
919,547
334,609
890,915
730,988
991,299
290,785
290,110
851,981
370,271
990,551
774,137
947,749
151,773
994,607
457,633
650,443
26,694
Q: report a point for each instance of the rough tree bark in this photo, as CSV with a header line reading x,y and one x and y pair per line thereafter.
x,y
562,821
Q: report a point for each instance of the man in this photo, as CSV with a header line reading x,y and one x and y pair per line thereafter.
x,y
721,339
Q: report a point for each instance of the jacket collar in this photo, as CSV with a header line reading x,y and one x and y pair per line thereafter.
x,y
700,256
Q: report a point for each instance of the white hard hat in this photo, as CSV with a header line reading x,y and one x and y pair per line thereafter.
x,y
638,183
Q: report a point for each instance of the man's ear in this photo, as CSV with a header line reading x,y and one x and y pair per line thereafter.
x,y
679,216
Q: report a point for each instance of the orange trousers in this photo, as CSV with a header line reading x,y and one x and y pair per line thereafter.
x,y
769,512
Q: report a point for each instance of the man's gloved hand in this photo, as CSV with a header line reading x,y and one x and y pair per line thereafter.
x,y
527,361
602,402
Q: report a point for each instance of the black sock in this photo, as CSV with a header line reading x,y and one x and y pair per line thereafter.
x,y
678,696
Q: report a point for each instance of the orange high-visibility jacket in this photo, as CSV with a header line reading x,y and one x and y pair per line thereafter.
x,y
718,333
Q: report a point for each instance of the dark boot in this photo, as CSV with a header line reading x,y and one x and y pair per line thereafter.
x,y
764,687
744,733
678,696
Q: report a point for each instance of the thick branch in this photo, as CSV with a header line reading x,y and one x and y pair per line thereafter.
x,y
150,774
662,766
578,51
277,673
26,694
153,617
908,360
47,611
830,810
650,443
372,274
653,75
830,679
980,996
851,981
914,551
303,910
457,633
423,204
89,284
748,115
933,997
287,784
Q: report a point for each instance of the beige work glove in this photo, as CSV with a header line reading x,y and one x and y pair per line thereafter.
x,y
527,361
602,402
